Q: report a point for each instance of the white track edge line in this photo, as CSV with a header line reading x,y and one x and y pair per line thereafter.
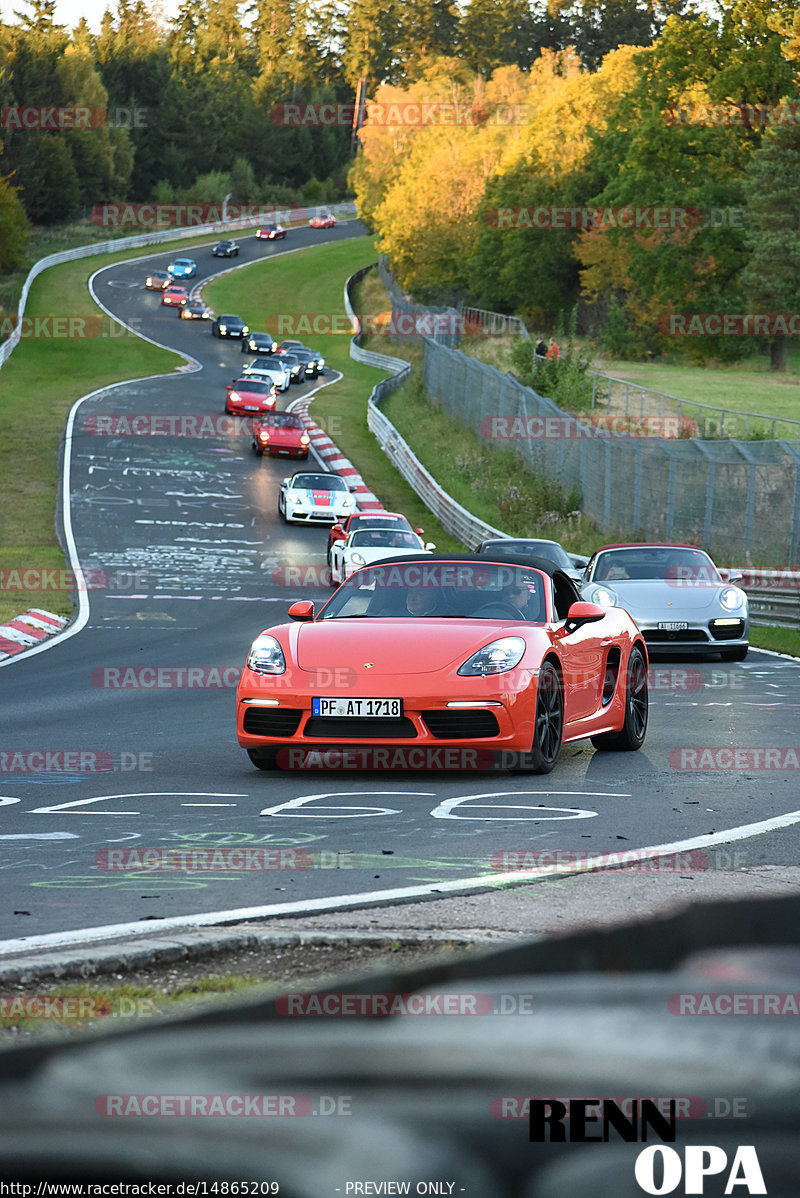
x,y
62,940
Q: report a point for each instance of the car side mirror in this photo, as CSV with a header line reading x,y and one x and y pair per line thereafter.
x,y
429,545
584,613
735,576
419,531
302,610
353,486
286,480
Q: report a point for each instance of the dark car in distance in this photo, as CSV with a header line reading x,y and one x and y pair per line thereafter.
x,y
229,326
258,343
225,249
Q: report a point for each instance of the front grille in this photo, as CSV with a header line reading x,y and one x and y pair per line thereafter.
x,y
461,723
729,632
272,721
660,636
360,729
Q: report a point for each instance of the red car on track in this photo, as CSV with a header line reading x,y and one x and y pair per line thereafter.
x,y
281,433
324,220
445,652
250,396
270,233
175,296
340,532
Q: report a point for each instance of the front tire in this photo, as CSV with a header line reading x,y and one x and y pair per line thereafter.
x,y
548,727
631,736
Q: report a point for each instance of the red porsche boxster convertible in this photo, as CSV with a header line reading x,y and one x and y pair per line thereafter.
x,y
443,651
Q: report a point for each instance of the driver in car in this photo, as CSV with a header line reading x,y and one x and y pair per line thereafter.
x,y
522,597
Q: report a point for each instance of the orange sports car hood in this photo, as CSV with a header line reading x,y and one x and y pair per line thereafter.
x,y
414,646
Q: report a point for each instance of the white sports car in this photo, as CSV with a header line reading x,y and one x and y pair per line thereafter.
x,y
308,498
675,594
269,368
363,546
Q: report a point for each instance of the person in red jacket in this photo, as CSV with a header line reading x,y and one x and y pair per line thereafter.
x,y
552,352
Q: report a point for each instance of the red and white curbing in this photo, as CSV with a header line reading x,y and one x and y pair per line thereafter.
x,y
334,459
27,630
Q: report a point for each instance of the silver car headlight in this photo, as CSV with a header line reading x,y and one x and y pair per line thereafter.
x,y
730,598
349,501
497,658
356,559
266,656
604,596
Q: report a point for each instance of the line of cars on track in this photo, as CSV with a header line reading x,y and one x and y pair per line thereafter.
x,y
254,392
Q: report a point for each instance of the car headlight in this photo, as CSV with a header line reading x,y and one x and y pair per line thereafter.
x,y
357,559
730,598
496,658
604,596
304,438
300,497
245,330
349,501
263,435
266,656
320,362
235,396
223,328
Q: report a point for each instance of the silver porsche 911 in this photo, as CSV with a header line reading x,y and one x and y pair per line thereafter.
x,y
675,594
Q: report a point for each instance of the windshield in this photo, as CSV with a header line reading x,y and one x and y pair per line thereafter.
x,y
319,482
553,552
655,563
255,386
379,538
282,420
445,589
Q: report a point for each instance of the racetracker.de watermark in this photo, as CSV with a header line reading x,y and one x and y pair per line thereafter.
x,y
556,861
60,327
151,424
73,761
221,1106
518,1106
730,324
721,757
372,324
636,217
29,578
710,1003
391,757
173,216
63,1007
72,116
165,677
744,116
213,859
409,114
564,428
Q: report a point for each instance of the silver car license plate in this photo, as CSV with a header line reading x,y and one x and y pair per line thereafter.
x,y
673,625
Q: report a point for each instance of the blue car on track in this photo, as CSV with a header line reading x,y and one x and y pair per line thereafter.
x,y
183,268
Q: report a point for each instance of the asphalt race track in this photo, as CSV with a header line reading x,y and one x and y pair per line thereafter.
x,y
184,531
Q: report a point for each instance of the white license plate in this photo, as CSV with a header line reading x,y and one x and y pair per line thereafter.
x,y
360,708
673,625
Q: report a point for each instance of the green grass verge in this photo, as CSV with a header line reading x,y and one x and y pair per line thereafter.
x,y
780,640
283,295
38,385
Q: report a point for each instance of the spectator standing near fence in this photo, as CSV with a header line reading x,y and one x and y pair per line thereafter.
x,y
552,352
540,349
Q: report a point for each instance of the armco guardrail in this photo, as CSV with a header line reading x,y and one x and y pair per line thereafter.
x,y
768,605
451,515
127,243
